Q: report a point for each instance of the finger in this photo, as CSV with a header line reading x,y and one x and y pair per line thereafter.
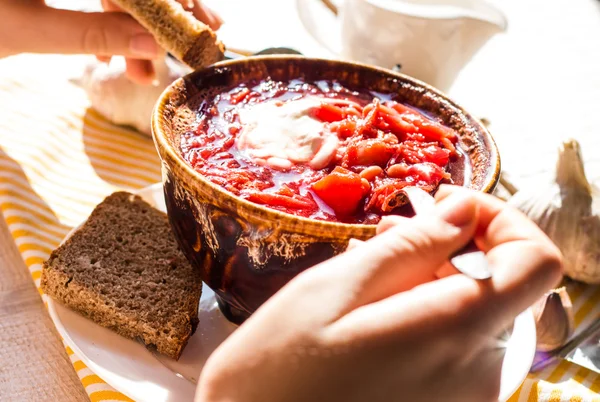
x,y
141,72
501,223
523,270
202,13
493,210
187,4
475,311
215,19
205,15
388,222
444,190
498,222
353,243
446,270
521,256
104,34
509,238
400,258
216,16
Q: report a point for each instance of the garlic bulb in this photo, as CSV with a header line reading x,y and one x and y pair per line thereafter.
x,y
121,100
568,211
554,319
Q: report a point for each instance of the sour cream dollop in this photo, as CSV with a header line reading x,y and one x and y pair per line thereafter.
x,y
283,134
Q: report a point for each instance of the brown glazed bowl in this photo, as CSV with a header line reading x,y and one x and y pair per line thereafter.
x,y
245,251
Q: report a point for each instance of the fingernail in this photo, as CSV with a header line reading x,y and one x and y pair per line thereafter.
x,y
458,209
143,46
155,82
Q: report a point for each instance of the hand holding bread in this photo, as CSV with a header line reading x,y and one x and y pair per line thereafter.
x,y
43,29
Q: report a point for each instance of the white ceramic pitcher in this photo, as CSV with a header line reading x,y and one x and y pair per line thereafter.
x,y
431,40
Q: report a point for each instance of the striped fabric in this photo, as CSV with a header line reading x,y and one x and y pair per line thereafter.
x,y
58,159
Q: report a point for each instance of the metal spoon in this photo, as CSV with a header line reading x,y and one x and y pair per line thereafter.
x,y
469,260
236,54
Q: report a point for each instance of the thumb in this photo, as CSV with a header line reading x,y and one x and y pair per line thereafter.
x,y
70,32
408,254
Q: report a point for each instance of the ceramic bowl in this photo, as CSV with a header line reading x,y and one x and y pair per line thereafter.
x,y
246,252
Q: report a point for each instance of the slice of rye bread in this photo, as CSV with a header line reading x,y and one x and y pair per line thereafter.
x,y
176,30
123,269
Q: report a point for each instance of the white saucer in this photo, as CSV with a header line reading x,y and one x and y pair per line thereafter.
x,y
141,375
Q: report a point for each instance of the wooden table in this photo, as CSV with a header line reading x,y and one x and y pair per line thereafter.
x,y
30,347
538,83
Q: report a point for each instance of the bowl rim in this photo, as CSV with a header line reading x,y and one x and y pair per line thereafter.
x,y
159,135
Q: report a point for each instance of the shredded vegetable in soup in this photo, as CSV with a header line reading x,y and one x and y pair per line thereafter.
x,y
317,149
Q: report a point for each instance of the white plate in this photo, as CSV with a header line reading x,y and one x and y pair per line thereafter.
x,y
138,373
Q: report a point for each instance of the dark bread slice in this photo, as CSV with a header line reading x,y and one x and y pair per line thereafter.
x,y
124,270
176,30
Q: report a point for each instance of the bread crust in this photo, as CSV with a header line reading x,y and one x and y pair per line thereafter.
x,y
177,31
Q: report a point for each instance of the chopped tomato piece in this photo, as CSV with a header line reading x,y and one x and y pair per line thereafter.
x,y
397,125
374,152
400,108
437,155
350,155
366,186
328,113
280,201
367,126
341,190
344,128
432,130
239,96
449,145
228,143
285,190
352,111
427,172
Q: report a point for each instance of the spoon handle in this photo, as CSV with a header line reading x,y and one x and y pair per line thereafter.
x,y
472,262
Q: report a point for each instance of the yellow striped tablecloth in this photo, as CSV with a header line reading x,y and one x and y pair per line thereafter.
x,y
59,158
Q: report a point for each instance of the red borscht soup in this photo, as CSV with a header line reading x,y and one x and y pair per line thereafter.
x,y
318,149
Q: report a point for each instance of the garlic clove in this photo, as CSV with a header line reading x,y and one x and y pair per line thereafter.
x,y
567,209
570,172
554,319
120,100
